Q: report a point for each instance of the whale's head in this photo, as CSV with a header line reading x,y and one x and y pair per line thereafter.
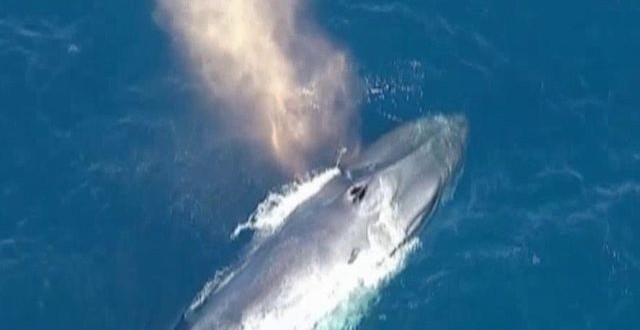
x,y
414,166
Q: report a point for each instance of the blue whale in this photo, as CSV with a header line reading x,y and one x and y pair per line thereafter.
x,y
345,238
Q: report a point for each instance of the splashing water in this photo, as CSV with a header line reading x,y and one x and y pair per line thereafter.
x,y
274,210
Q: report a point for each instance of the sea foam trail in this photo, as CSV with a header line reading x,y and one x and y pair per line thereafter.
x,y
330,298
284,86
274,210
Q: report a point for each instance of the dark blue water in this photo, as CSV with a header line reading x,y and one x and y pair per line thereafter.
x,y
117,200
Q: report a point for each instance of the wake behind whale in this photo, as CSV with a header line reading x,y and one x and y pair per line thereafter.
x,y
323,248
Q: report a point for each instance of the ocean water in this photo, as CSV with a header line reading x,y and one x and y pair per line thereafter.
x,y
117,198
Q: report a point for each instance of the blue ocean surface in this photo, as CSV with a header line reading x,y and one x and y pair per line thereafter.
x,y
117,198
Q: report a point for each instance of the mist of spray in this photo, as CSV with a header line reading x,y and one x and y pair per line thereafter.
x,y
283,85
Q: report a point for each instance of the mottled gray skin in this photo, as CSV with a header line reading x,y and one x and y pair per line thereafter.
x,y
418,160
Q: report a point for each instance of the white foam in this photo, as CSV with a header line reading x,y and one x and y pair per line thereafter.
x,y
275,209
219,280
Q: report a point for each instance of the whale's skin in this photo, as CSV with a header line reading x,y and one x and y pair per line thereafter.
x,y
416,162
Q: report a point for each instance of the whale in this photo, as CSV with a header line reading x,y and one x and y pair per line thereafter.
x,y
348,236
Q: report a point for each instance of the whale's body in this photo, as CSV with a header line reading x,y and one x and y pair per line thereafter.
x,y
342,239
